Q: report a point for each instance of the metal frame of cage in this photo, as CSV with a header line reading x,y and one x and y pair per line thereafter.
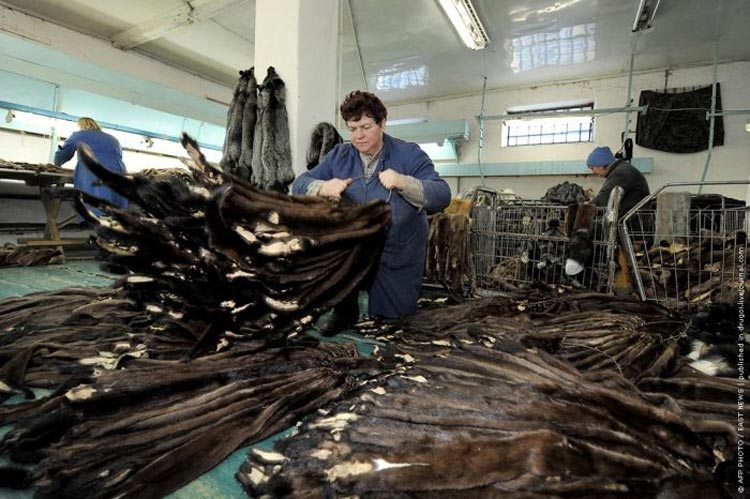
x,y
701,262
512,245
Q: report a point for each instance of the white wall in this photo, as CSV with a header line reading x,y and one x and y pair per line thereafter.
x,y
731,161
31,148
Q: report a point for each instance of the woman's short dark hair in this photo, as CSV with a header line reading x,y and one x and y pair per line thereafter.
x,y
359,103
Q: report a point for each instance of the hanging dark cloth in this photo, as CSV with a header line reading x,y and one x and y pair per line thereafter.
x,y
324,137
685,131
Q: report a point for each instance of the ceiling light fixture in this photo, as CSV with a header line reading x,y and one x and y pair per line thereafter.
x,y
644,16
463,16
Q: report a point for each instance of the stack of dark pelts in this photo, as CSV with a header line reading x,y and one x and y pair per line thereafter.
x,y
234,256
147,430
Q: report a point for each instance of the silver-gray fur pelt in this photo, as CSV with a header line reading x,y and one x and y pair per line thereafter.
x,y
249,115
272,158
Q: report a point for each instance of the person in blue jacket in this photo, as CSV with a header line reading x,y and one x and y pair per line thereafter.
x,y
374,166
107,151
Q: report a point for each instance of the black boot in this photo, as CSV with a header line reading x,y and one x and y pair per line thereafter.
x,y
344,316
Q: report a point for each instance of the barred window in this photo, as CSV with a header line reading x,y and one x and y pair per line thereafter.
x,y
532,131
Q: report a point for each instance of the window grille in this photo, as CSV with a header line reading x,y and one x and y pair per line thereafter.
x,y
549,130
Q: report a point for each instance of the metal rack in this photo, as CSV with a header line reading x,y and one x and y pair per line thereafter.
x,y
698,258
518,242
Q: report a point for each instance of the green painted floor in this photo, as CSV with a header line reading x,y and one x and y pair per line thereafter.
x,y
19,281
219,483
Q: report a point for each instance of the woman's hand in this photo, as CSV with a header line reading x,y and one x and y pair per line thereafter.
x,y
391,179
333,188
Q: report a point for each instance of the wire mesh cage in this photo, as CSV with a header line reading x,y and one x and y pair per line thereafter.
x,y
687,249
517,242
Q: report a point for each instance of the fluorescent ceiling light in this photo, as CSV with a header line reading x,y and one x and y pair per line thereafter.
x,y
644,16
463,16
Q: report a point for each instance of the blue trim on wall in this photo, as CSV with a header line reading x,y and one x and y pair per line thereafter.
x,y
574,167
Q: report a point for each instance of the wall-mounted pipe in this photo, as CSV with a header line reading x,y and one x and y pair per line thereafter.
x,y
628,101
712,118
557,114
56,104
481,119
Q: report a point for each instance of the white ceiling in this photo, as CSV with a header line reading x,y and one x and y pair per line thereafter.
x,y
409,52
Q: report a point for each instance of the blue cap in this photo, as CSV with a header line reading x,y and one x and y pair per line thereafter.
x,y
600,156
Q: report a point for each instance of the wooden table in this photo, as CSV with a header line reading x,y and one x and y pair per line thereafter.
x,y
52,191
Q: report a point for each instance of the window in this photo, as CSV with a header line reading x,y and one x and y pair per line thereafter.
x,y
531,131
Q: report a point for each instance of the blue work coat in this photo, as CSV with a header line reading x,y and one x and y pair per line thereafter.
x,y
398,279
107,151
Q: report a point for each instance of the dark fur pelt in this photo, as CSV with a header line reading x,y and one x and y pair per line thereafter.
x,y
233,139
324,138
23,256
272,157
565,193
448,260
249,116
581,233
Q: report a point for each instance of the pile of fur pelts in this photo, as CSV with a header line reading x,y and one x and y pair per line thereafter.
x,y
448,260
482,405
558,249
256,147
23,256
219,251
708,268
565,193
698,252
35,167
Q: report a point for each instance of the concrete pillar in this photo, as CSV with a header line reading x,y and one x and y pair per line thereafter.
x,y
300,39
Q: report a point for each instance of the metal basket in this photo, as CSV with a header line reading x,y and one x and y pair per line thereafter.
x,y
685,256
514,243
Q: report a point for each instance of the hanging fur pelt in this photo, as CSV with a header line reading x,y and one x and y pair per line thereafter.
x,y
244,168
324,137
233,138
272,157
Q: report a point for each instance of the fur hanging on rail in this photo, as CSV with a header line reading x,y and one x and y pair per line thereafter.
x,y
272,157
324,137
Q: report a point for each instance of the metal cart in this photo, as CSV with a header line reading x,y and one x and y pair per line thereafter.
x,y
684,255
517,242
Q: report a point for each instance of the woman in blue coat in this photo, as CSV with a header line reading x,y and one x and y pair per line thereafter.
x,y
377,166
107,151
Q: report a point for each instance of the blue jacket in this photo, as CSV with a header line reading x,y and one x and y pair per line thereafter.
x,y
398,279
107,151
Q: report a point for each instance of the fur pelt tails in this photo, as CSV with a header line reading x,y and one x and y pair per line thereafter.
x,y
324,137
